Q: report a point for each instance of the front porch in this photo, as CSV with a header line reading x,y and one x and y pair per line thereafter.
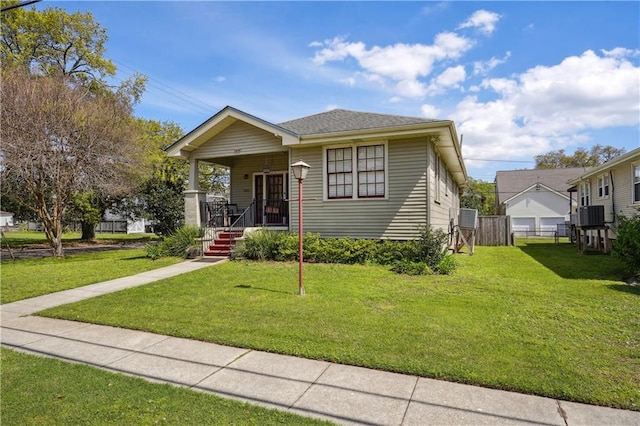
x,y
260,212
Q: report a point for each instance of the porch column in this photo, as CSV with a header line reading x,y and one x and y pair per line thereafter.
x,y
193,196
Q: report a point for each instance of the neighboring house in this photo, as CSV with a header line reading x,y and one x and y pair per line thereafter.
x,y
614,185
372,175
536,200
6,219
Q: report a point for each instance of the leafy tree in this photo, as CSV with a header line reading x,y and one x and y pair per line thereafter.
x,y
160,195
559,159
58,139
69,48
479,195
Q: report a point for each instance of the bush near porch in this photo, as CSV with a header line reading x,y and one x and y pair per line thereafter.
x,y
427,254
540,318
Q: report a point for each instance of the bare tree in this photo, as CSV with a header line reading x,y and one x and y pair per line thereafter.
x,y
59,138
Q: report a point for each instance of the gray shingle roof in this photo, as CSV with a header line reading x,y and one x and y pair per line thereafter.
x,y
513,182
342,120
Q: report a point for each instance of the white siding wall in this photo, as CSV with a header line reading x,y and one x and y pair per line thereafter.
x,y
620,201
396,217
537,205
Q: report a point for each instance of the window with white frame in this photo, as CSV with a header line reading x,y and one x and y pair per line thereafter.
x,y
636,183
363,166
603,186
585,194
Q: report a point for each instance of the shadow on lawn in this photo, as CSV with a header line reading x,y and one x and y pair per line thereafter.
x,y
625,288
567,262
249,287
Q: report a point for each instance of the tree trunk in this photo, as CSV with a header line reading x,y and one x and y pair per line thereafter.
x,y
88,231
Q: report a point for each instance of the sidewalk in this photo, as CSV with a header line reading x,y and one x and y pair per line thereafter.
x,y
342,394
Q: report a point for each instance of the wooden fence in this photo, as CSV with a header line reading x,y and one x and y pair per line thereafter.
x,y
494,231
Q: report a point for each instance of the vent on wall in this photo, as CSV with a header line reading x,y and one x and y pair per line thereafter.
x,y
468,219
591,216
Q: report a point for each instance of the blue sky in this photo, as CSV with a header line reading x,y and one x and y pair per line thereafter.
x,y
518,78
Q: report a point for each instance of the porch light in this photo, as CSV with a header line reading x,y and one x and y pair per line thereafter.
x,y
300,170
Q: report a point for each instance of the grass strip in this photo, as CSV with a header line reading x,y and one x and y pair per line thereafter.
x,y
37,391
25,278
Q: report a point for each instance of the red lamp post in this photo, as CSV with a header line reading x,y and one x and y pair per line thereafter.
x,y
300,170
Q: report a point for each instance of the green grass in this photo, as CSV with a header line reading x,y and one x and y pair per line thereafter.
x,y
21,279
43,391
25,239
540,318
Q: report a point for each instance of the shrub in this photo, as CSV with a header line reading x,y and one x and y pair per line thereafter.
x,y
409,267
431,247
425,255
447,265
627,244
179,243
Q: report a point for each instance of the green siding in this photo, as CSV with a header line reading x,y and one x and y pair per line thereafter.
x,y
396,217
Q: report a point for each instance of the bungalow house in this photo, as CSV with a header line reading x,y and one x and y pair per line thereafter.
x,y
536,200
372,175
615,185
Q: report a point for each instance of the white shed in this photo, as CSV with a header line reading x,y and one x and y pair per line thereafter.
x,y
6,219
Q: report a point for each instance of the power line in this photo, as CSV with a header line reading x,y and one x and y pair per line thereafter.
x,y
500,161
187,101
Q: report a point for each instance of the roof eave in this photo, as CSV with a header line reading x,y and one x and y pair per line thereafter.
x,y
207,129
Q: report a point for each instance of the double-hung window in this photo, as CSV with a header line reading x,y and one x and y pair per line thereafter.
x,y
636,183
603,186
585,194
362,166
339,173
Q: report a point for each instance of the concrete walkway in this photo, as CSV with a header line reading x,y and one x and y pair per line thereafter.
x,y
342,394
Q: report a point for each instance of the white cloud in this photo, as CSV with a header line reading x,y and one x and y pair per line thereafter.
x,y
403,64
220,78
448,79
483,67
484,20
429,111
551,107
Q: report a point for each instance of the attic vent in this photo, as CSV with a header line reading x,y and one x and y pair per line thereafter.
x,y
468,219
591,216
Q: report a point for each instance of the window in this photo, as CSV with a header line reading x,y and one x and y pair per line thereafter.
x,y
603,186
339,173
363,166
636,183
371,171
585,194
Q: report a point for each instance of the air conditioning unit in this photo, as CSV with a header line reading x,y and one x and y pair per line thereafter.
x,y
468,219
591,216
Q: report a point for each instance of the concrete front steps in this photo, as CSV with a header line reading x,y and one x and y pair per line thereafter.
x,y
223,244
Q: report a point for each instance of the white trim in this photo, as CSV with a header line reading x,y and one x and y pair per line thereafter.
x,y
354,170
603,189
582,186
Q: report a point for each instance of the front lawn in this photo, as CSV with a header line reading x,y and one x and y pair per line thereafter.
x,y
26,239
540,318
21,279
43,391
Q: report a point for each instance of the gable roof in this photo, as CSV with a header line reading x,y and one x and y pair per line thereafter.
x,y
537,187
630,156
220,121
510,183
335,126
342,120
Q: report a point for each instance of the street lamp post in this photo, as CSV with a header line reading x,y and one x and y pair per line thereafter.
x,y
300,170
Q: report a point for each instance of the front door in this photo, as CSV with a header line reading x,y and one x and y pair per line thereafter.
x,y
270,192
